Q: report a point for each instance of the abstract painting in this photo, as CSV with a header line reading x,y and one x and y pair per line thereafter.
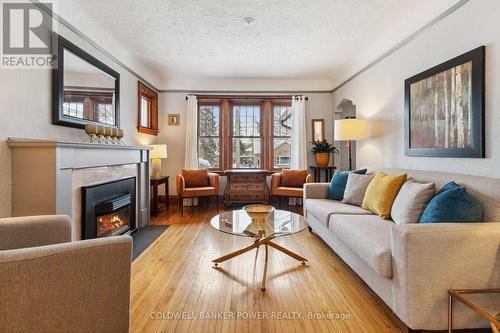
x,y
445,109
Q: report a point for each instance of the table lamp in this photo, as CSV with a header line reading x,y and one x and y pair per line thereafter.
x,y
350,129
158,152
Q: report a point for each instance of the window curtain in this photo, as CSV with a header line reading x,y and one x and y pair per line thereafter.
x,y
298,137
191,152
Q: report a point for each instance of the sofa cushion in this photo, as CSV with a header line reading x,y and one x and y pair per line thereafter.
x,y
356,188
452,204
321,209
296,192
293,178
337,185
411,201
369,237
381,193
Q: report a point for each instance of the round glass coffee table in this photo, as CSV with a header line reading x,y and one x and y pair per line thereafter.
x,y
279,223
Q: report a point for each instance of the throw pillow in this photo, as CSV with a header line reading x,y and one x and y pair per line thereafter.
x,y
452,204
381,193
195,177
411,201
293,178
337,185
355,188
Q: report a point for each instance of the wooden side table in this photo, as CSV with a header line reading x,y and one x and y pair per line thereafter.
x,y
316,171
156,204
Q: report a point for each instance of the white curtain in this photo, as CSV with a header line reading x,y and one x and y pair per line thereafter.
x,y
191,153
299,139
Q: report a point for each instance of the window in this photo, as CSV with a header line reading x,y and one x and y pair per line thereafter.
x,y
148,110
209,142
246,136
282,130
244,133
89,105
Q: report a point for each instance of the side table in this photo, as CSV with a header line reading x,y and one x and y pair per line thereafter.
x,y
316,171
461,296
156,204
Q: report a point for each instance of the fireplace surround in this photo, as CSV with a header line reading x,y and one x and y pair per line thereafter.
x,y
109,209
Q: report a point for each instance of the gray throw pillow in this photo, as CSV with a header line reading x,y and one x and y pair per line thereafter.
x,y
411,201
356,188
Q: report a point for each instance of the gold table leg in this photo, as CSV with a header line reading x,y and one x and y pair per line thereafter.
x,y
263,287
266,241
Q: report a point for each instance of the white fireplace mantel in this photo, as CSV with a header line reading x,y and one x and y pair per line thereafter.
x,y
43,174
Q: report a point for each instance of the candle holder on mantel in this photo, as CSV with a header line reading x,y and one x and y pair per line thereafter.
x,y
104,134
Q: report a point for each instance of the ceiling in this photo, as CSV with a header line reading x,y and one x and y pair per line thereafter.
x,y
189,40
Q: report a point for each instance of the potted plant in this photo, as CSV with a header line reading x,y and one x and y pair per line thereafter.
x,y
322,150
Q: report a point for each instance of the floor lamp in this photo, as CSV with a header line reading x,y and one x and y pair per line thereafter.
x,y
349,129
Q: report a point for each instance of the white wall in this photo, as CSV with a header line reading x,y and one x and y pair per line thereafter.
x,y
379,96
319,106
26,111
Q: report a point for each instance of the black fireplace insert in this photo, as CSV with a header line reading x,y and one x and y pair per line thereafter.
x,y
108,209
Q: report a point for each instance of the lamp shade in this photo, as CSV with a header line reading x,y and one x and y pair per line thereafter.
x,y
159,151
350,129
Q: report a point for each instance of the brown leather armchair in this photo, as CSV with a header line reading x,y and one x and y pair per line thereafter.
x,y
292,189
211,190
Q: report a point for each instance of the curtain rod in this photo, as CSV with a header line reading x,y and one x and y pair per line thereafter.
x,y
244,96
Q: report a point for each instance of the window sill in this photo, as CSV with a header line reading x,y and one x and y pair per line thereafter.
x,y
147,130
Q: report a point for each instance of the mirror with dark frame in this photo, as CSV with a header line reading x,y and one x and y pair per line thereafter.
x,y
85,90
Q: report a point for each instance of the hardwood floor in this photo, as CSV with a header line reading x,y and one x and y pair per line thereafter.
x,y
174,277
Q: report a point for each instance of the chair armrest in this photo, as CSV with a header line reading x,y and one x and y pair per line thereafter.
x,y
309,178
214,180
429,259
315,190
29,231
275,181
58,288
180,184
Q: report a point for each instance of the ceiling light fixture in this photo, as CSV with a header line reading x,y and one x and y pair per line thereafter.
x,y
249,20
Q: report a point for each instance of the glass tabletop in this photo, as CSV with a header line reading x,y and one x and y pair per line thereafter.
x,y
239,223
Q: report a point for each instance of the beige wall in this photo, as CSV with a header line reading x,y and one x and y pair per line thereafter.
x,y
318,106
379,96
26,111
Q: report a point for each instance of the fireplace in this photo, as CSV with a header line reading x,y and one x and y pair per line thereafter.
x,y
108,209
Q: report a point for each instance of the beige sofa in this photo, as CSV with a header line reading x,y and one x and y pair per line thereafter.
x,y
49,284
412,266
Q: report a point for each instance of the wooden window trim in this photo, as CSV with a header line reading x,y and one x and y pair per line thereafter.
x,y
198,136
231,136
144,91
226,104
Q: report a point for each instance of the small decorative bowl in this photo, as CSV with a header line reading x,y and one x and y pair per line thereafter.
x,y
258,212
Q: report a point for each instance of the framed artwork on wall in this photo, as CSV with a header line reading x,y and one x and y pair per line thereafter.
x,y
174,119
444,109
318,129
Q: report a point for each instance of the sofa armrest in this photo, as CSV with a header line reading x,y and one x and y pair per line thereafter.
x,y
309,178
29,231
429,259
315,190
213,180
58,288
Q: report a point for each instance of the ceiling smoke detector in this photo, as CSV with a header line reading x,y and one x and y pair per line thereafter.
x,y
249,20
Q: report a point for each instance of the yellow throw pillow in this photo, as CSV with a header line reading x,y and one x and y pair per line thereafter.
x,y
381,192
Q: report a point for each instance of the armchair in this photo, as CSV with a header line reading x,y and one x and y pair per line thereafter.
x,y
289,183
50,284
205,184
